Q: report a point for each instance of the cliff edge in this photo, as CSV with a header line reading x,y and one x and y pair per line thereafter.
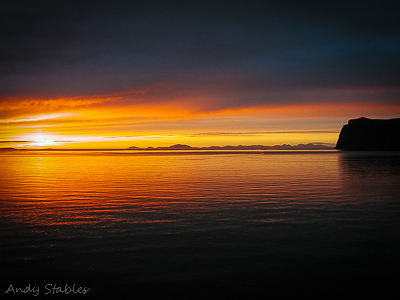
x,y
365,134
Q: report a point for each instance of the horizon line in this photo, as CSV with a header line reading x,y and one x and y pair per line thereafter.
x,y
180,147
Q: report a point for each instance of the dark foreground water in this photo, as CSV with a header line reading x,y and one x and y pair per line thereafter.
x,y
125,225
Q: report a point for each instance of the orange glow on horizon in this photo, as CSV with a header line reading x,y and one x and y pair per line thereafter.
x,y
161,115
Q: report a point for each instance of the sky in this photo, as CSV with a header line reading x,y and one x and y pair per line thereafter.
x,y
115,74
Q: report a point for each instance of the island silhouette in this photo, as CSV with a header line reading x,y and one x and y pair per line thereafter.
x,y
365,134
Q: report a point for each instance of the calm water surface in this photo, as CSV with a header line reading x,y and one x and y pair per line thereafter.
x,y
198,225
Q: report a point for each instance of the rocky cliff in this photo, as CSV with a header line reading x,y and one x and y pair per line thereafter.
x,y
365,134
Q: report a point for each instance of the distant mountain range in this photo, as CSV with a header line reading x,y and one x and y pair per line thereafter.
x,y
309,146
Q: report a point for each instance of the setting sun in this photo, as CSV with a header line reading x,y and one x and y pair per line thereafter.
x,y
41,140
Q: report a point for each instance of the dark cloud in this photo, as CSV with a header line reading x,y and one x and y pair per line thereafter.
x,y
93,47
32,31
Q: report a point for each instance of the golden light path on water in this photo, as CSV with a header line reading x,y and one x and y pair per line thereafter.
x,y
181,220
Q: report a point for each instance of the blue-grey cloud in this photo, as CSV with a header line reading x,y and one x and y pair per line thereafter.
x,y
262,49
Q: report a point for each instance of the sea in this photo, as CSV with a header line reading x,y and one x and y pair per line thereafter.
x,y
199,224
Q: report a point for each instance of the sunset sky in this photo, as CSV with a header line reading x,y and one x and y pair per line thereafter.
x,y
115,74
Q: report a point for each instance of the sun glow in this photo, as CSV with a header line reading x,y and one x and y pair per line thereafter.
x,y
41,140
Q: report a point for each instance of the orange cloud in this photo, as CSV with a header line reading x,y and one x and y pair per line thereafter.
x,y
312,110
169,102
151,101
